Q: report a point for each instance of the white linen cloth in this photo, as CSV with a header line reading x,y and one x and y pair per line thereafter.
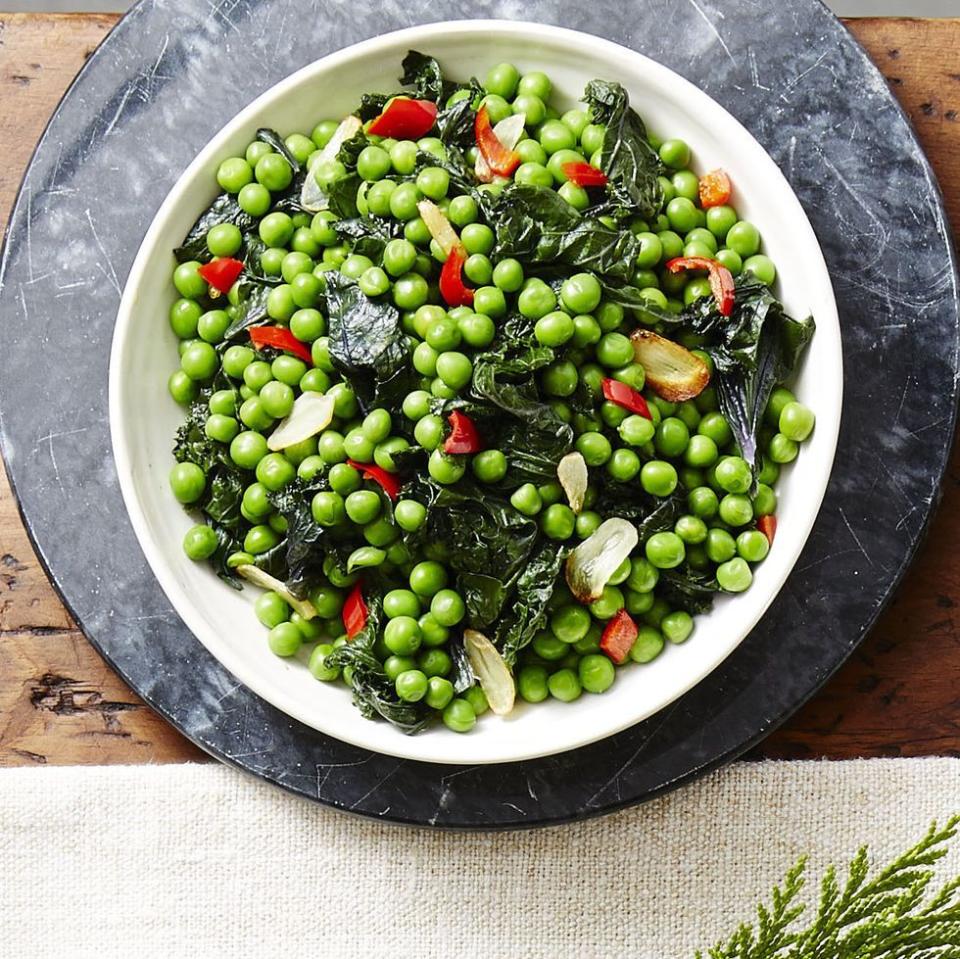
x,y
200,860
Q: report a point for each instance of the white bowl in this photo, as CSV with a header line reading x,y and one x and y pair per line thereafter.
x,y
143,418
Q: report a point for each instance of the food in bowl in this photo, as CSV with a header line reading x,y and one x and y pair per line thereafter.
x,y
489,401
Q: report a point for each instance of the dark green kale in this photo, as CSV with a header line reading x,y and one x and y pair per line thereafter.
x,y
367,344
536,225
631,164
753,350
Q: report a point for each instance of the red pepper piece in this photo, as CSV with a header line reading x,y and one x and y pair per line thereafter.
x,y
405,119
452,288
768,526
721,279
618,637
463,437
280,338
582,174
625,396
388,482
221,273
500,160
354,611
715,189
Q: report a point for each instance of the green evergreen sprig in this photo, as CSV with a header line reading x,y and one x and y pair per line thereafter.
x,y
893,913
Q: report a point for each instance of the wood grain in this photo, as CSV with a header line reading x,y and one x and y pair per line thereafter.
x,y
60,703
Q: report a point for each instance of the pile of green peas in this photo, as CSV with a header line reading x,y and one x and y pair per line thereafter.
x,y
685,446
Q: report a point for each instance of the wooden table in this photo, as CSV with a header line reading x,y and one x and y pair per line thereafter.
x,y
60,703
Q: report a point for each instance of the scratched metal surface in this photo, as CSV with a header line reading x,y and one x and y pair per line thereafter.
x,y
151,97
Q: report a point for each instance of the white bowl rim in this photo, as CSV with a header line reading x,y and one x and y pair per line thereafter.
x,y
362,734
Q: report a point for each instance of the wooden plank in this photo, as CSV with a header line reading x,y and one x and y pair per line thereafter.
x,y
59,702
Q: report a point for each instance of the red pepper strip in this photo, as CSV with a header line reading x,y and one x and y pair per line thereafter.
x,y
768,526
625,396
721,279
463,437
452,288
405,119
500,160
582,174
280,338
221,273
388,482
354,611
619,636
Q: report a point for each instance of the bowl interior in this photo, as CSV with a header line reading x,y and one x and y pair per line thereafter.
x,y
144,418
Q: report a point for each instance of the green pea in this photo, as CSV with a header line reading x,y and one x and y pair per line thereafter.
x,y
439,692
489,466
273,172
328,509
435,662
665,550
736,509
565,685
447,608
532,684
643,575
658,477
477,330
691,529
284,639
765,501
596,673
234,174
720,219
275,471
796,422
753,546
200,542
623,465
459,716
594,447
478,269
782,449
651,250
463,211
502,80
271,609
570,623
373,163
682,214
260,539
734,576
703,502
455,369
734,475
410,291
672,436
675,154
427,578
558,522
647,646
744,239
608,604
187,482
575,195
554,329
402,635
581,293
318,666
224,239
445,469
